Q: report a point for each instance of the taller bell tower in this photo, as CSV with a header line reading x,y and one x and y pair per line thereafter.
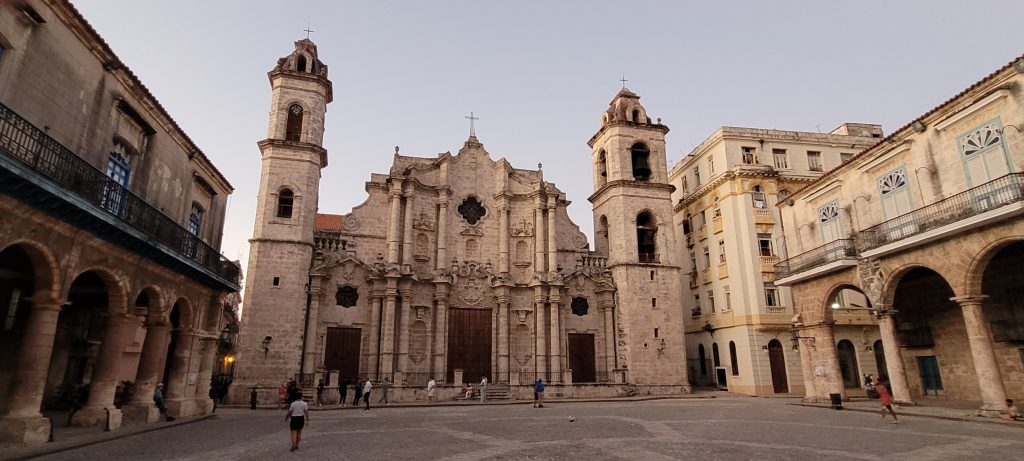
x,y
281,248
633,223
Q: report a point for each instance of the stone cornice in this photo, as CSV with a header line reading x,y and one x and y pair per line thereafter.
x,y
632,184
320,79
295,145
626,124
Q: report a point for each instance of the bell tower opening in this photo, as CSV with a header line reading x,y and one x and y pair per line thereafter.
x,y
301,63
293,131
641,162
645,242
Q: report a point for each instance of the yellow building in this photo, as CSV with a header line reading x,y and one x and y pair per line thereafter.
x,y
725,213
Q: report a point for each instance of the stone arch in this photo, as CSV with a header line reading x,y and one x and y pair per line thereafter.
x,y
45,269
835,295
892,282
975,271
186,313
117,292
151,299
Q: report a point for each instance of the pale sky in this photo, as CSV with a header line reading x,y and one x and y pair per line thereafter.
x,y
539,74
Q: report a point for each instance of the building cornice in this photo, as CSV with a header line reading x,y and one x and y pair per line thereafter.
x,y
626,124
625,183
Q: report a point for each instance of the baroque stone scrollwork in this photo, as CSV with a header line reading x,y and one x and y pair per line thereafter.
x,y
423,221
350,223
523,228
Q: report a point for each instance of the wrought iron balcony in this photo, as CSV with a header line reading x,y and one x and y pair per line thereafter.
x,y
918,336
1007,330
833,251
37,152
971,202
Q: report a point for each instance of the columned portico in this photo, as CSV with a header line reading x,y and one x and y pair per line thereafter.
x,y
22,421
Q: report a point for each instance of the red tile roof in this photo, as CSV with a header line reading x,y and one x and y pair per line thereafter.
x,y
328,222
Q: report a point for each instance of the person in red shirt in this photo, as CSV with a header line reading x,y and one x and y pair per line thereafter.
x,y
883,393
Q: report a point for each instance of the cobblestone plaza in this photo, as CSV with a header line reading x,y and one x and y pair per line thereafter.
x,y
728,427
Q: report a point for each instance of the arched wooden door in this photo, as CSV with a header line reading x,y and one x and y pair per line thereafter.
x,y
848,364
777,363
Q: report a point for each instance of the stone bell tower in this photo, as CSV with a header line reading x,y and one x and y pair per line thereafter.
x,y
281,248
633,223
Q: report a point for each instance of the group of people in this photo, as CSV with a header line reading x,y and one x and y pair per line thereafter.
x,y
361,388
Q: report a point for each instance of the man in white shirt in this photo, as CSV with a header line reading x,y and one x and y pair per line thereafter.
x,y
430,390
366,394
483,389
297,415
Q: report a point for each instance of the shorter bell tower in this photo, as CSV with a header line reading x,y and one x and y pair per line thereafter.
x,y
281,248
633,222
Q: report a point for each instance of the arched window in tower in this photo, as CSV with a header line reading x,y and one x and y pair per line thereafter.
x,y
602,168
293,131
301,63
641,162
636,115
285,202
645,238
602,236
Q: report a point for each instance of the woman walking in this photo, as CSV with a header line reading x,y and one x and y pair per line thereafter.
x,y
297,416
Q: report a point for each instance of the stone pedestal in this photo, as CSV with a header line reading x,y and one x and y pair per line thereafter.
x,y
457,380
32,430
567,376
140,412
97,416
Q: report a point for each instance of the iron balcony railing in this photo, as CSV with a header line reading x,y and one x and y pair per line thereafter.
x,y
833,251
37,150
971,202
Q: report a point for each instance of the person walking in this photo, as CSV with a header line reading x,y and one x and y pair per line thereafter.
x,y
883,393
430,390
343,389
483,389
366,393
320,393
358,388
384,391
1011,413
538,394
297,417
158,399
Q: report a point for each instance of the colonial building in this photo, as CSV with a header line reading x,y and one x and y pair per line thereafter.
x,y
927,226
459,266
110,223
725,210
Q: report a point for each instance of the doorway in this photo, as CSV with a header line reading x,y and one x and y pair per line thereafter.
x,y
469,343
848,364
931,380
777,363
581,358
342,352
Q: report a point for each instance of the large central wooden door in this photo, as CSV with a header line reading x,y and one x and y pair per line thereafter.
x,y
469,344
777,362
581,358
342,352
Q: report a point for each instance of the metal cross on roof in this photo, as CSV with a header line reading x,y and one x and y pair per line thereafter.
x,y
307,30
623,80
472,126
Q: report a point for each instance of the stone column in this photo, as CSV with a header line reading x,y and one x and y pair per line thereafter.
x,y
404,312
828,357
177,380
540,353
440,327
538,236
807,367
394,219
387,332
208,352
895,368
503,236
552,229
555,337
607,308
103,385
22,421
407,239
373,364
151,366
979,335
310,335
442,232
503,332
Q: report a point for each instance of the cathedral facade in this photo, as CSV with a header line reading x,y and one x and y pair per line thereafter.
x,y
460,266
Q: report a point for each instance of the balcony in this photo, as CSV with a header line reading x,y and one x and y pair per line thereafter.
x,y
1007,330
42,173
834,251
693,280
775,310
649,258
918,336
702,233
705,276
763,216
695,312
971,208
716,224
723,270
768,262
